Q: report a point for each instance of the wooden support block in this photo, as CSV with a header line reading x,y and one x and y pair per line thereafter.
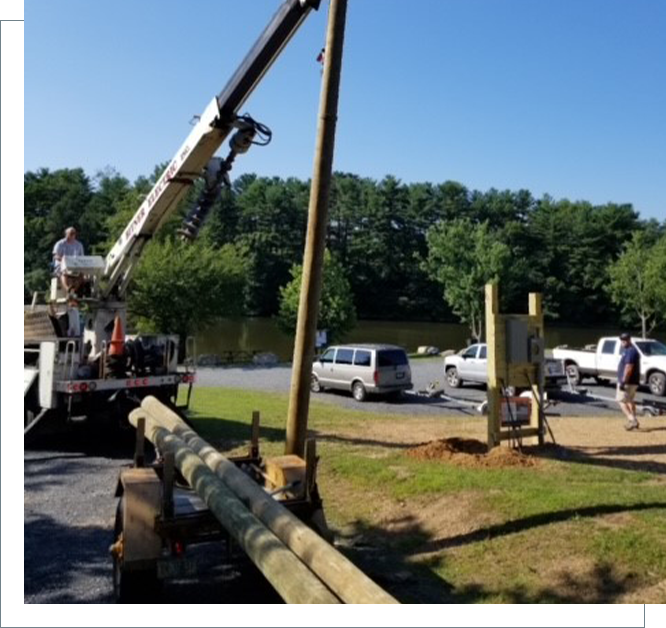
x,y
142,491
285,470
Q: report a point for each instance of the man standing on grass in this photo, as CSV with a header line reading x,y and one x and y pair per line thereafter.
x,y
628,378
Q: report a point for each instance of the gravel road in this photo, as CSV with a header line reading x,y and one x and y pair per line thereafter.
x,y
462,401
69,510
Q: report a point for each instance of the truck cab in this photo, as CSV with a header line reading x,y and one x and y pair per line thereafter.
x,y
602,362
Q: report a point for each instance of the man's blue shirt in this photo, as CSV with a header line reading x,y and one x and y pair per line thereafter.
x,y
630,356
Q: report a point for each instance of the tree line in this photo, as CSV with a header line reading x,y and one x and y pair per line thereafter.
x,y
408,251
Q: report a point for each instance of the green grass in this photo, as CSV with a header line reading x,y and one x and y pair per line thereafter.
x,y
558,532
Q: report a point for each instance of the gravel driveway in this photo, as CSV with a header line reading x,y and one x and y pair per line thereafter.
x,y
462,401
69,510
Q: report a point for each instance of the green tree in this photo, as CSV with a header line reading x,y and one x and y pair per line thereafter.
x,y
463,257
53,201
637,281
337,314
271,223
182,287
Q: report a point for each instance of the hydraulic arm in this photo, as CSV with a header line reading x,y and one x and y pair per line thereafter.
x,y
194,158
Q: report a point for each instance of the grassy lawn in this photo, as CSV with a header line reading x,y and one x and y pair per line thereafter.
x,y
431,531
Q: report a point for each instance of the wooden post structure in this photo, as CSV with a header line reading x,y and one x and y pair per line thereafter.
x,y
315,241
539,382
505,370
496,349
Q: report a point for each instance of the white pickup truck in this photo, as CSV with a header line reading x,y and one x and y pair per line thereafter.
x,y
471,365
602,362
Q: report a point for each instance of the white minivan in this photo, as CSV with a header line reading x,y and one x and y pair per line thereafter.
x,y
362,369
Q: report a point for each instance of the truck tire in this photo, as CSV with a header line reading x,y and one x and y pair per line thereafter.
x,y
452,377
573,374
657,384
315,386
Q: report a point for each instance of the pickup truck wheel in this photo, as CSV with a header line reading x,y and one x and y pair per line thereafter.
x,y
573,374
657,384
453,378
359,392
315,386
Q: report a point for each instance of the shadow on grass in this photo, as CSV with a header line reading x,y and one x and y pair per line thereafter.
x,y
228,434
601,584
601,456
387,554
527,523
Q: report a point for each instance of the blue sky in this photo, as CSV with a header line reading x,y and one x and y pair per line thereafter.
x,y
566,97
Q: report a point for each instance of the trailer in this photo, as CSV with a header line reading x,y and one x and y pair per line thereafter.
x,y
267,510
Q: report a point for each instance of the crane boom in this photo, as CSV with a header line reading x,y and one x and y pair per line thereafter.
x,y
212,128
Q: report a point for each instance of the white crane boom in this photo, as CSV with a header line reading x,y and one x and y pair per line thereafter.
x,y
217,121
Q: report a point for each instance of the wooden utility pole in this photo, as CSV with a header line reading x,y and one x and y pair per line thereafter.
x,y
315,241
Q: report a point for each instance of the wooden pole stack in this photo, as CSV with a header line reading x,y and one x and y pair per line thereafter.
x,y
300,565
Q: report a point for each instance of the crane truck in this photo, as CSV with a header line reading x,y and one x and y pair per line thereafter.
x,y
77,360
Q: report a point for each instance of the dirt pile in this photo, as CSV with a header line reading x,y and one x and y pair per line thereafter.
x,y
471,453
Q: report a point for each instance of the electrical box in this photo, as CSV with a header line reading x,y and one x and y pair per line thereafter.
x,y
516,341
537,350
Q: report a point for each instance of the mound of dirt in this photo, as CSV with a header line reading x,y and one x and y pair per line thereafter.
x,y
471,453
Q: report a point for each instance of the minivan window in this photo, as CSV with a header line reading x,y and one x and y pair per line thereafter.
x,y
391,357
328,356
362,358
344,356
608,347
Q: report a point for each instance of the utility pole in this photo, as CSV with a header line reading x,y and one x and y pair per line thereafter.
x,y
315,241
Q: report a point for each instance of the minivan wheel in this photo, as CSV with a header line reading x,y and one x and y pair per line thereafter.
x,y
315,386
657,384
359,392
452,377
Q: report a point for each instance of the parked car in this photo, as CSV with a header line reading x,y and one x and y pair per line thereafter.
x,y
601,362
362,369
471,365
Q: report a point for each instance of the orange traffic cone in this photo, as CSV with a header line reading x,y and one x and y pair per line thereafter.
x,y
117,344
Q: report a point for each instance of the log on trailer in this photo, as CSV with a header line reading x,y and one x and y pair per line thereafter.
x,y
348,582
295,583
